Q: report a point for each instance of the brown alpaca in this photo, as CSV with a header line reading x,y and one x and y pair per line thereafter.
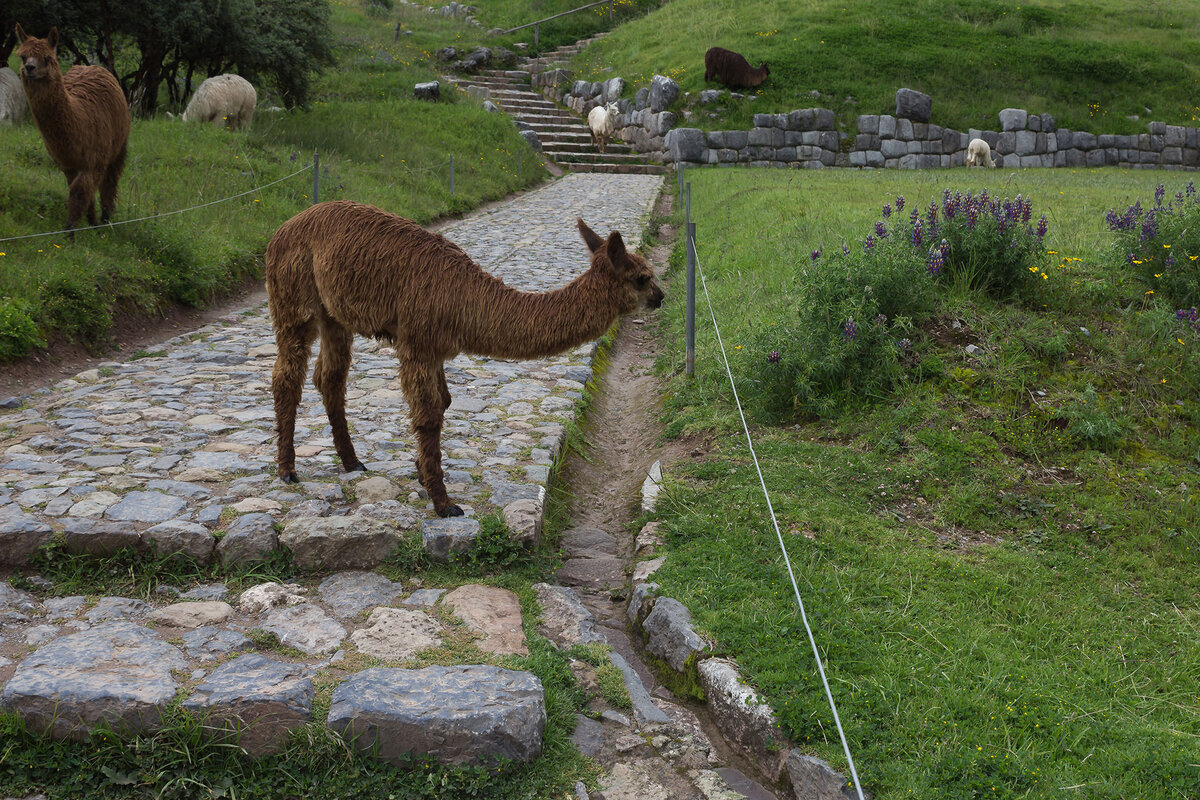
x,y
732,69
340,268
84,120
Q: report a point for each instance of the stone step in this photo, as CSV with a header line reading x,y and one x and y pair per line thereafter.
x,y
564,157
619,169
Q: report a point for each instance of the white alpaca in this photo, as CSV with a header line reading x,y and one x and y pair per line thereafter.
x,y
602,120
221,99
12,98
978,152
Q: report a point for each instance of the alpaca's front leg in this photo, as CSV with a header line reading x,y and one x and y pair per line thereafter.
x,y
333,364
287,385
422,385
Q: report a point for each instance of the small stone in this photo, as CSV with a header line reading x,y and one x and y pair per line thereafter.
x,y
493,612
524,520
445,539
351,593
192,615
265,596
112,608
306,628
424,598
375,490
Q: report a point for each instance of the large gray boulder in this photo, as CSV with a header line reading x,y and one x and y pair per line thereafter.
x,y
118,673
814,779
663,92
446,539
745,720
1013,119
686,144
472,714
430,90
565,620
669,635
913,105
332,543
254,698
248,538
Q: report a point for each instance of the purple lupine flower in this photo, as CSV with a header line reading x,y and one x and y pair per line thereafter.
x,y
815,254
899,202
972,217
880,231
904,343
1159,192
1187,314
1190,191
849,330
1170,260
774,356
918,232
944,248
1042,227
1179,197
1149,226
845,249
936,261
868,243
1131,257
887,210
881,319
932,214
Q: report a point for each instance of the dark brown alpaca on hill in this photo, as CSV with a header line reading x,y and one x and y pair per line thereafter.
x,y
342,268
84,120
732,69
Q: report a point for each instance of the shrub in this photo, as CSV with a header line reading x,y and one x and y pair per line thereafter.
x,y
1162,244
1093,424
989,245
19,334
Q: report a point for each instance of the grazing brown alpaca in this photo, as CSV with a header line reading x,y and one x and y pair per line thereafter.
x,y
342,268
84,120
732,69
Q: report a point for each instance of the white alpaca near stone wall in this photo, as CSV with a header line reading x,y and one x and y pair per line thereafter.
x,y
978,152
12,98
602,120
221,99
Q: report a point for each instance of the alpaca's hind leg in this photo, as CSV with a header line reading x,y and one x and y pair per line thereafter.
x,y
422,384
293,342
443,388
108,186
333,363
81,198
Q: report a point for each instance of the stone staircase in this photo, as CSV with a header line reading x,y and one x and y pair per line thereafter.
x,y
566,139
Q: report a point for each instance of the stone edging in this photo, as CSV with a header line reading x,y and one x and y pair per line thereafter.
x,y
809,138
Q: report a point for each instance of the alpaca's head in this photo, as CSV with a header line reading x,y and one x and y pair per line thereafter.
x,y
39,57
630,272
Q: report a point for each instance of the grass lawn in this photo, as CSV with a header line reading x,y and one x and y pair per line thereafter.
x,y
1090,64
1006,600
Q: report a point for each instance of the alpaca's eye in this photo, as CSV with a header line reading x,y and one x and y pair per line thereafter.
x,y
643,281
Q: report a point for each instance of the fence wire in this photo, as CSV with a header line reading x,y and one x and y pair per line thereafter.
x,y
107,225
771,508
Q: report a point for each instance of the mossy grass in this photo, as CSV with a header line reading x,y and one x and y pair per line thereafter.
x,y
998,555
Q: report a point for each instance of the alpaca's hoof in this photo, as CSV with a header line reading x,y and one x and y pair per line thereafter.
x,y
289,477
357,466
450,511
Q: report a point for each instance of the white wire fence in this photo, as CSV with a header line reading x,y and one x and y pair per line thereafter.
x,y
693,268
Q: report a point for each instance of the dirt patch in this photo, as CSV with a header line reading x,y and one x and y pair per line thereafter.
x,y
131,333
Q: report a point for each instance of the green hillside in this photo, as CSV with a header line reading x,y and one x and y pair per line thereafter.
x,y
1090,64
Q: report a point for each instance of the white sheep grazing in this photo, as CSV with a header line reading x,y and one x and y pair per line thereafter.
x,y
221,99
12,98
978,152
602,120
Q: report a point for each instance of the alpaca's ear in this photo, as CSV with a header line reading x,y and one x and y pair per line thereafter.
x,y
616,250
590,238
21,37
52,38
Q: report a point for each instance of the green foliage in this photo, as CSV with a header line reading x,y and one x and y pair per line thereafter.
x,y
1094,423
991,246
19,334
1162,244
494,549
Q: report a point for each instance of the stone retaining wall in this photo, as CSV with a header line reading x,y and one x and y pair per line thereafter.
x,y
809,137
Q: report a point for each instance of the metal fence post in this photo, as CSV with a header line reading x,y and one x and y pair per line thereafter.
x,y
316,177
690,232
518,168
451,176
535,37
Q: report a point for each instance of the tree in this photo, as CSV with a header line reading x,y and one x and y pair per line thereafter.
x,y
150,44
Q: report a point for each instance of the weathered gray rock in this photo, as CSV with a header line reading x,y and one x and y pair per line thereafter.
x,y
396,634
459,715
663,92
685,144
254,698
375,489
494,613
531,137
431,90
913,105
1013,119
424,598
353,592
98,537
814,779
146,507
21,535
588,736
118,673
565,620
115,608
193,614
643,706
524,521
744,719
250,537
351,542
446,539
207,591
669,634
14,599
306,628
179,537
211,642
613,87
642,570
264,596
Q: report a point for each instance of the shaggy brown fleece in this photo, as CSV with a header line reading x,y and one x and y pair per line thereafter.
x,y
732,69
84,120
342,268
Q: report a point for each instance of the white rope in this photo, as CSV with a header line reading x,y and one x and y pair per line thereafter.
x,y
157,216
791,574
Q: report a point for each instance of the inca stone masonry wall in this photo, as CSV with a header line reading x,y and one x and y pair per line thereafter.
x,y
809,137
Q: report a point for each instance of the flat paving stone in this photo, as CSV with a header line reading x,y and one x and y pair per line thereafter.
x,y
353,592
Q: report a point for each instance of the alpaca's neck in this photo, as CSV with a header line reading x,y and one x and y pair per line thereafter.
x,y
49,103
508,323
